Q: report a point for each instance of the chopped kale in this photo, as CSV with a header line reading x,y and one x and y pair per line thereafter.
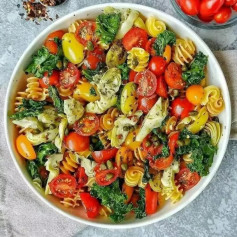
x,y
140,209
89,73
45,150
57,101
124,71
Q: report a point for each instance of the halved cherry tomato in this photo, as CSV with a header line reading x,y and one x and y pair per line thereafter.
x,y
76,142
230,2
162,163
180,107
62,186
157,65
162,89
151,147
104,155
52,80
135,37
69,76
149,46
132,75
234,7
87,125
128,191
187,179
173,76
223,15
151,198
93,58
190,7
210,7
56,34
82,178
173,141
86,32
147,83
25,148
194,94
91,204
146,103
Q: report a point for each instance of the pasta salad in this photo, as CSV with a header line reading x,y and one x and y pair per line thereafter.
x,y
117,116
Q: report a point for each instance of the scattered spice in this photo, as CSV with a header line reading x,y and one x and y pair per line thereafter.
x,y
52,3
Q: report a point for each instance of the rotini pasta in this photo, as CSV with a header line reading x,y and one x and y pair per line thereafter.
x,y
103,136
188,158
214,130
140,23
19,97
140,154
138,59
184,51
69,163
170,124
73,27
65,92
133,176
73,201
155,183
105,211
107,120
154,26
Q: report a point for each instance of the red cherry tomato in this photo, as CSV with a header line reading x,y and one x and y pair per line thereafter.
x,y
234,7
187,179
147,83
64,185
91,204
223,15
52,80
93,58
180,107
157,65
151,198
210,7
69,76
146,103
162,89
173,76
81,177
104,155
190,7
230,2
56,34
149,46
173,142
136,37
162,163
132,75
76,142
87,125
205,18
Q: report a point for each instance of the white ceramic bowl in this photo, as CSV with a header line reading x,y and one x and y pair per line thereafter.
x,y
215,76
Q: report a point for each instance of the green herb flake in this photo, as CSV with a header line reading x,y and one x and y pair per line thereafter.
x,y
93,91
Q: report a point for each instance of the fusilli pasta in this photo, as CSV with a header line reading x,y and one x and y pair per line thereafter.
x,y
73,201
19,97
107,120
133,176
214,130
69,163
154,26
65,92
170,124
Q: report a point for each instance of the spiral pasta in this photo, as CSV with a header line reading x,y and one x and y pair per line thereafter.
x,y
188,158
214,130
107,120
69,163
19,98
173,193
133,176
34,91
65,92
170,124
138,59
103,136
184,51
73,27
140,154
140,23
105,211
73,201
155,183
154,26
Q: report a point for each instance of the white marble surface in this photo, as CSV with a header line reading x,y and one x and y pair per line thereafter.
x,y
213,213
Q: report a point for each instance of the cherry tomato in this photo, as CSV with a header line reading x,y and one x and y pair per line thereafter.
x,y
81,177
56,34
194,94
132,75
136,37
25,148
87,125
234,7
146,103
205,18
157,65
76,142
162,89
190,7
62,186
91,204
52,80
180,107
173,76
149,46
69,76
223,15
104,155
151,147
93,58
173,142
151,198
86,32
128,191
210,7
187,179
51,46
147,83
130,141
230,2
162,163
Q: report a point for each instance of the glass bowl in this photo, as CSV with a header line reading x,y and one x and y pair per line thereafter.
x,y
195,21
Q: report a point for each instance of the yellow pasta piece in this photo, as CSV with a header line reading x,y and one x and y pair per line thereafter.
x,y
19,98
154,26
214,130
187,158
107,120
73,27
73,201
140,23
140,154
138,59
65,92
105,211
170,124
133,176
69,164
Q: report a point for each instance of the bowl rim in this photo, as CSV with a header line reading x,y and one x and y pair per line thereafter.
x,y
144,221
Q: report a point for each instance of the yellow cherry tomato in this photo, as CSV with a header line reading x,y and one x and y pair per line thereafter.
x,y
25,148
140,23
128,98
72,49
130,141
86,91
124,156
194,94
167,53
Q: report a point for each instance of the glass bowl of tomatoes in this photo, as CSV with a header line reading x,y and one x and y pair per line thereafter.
x,y
207,14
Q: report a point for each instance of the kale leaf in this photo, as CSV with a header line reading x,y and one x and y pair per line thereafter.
x,y
42,61
29,108
147,176
57,101
167,37
44,150
90,73
107,26
124,71
195,72
164,152
140,209
32,169
112,197
95,143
